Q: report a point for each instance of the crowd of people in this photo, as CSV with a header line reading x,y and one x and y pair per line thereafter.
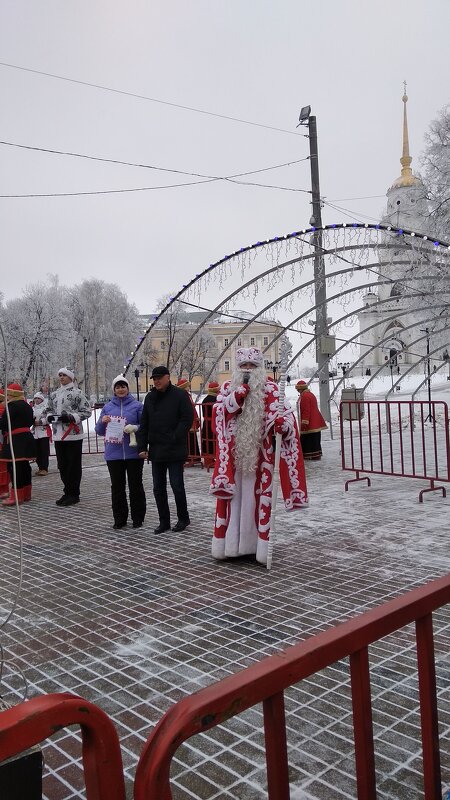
x,y
242,423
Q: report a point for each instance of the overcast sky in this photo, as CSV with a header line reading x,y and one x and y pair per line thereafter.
x,y
257,60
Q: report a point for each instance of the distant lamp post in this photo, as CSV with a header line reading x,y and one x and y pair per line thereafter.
x,y
446,357
344,366
136,375
85,341
142,367
97,350
428,373
274,367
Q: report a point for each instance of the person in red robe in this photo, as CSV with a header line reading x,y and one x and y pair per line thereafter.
x,y
245,420
311,422
4,477
208,438
194,456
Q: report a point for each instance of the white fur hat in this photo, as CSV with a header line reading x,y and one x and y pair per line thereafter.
x,y
250,354
119,379
66,371
40,395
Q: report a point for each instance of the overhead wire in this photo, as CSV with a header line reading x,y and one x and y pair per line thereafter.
x,y
150,99
204,178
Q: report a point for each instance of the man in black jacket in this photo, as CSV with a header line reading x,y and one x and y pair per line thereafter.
x,y
163,439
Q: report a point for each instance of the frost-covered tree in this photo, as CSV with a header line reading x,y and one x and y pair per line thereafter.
x,y
106,328
37,333
436,162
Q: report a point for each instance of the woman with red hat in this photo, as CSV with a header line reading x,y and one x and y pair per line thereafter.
x,y
18,443
208,438
311,423
4,477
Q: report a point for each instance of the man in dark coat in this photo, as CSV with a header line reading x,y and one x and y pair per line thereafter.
x,y
162,438
23,447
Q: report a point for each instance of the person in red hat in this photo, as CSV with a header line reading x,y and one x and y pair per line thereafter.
x,y
193,448
208,438
4,477
311,422
20,437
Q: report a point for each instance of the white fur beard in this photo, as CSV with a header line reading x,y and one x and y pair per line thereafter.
x,y
250,422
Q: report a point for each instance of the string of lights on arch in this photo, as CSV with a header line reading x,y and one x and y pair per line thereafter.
x,y
401,232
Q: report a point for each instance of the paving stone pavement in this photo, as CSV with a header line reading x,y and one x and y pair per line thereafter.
x,y
134,622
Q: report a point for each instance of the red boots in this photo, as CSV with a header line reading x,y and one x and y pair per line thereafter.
x,y
23,495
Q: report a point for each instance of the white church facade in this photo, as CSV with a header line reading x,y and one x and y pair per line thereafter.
x,y
387,331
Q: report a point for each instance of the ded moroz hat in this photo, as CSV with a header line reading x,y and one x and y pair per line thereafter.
x,y
301,386
249,354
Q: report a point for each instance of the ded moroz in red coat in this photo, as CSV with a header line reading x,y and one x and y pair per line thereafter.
x,y
244,500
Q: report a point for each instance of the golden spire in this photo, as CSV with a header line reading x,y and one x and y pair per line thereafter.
x,y
406,178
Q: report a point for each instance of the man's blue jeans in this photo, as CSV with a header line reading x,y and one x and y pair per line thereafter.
x,y
176,478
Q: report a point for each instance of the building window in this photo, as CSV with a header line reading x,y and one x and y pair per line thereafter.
x,y
226,366
266,340
162,345
225,341
252,341
239,341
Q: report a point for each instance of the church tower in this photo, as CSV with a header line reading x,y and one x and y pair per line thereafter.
x,y
407,208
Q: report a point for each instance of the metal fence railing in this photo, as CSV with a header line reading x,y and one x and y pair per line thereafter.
x,y
396,438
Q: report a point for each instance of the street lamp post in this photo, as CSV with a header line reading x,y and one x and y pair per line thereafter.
x,y
142,367
446,358
136,375
344,366
97,350
85,341
430,415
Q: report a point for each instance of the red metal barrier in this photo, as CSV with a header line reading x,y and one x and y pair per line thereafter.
x,y
266,681
396,438
35,720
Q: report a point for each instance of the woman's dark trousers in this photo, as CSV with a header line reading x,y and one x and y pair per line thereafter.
x,y
119,471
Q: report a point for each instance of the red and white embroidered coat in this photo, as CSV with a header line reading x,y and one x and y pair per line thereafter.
x,y
243,530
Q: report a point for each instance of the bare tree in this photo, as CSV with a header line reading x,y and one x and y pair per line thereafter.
x,y
198,356
170,326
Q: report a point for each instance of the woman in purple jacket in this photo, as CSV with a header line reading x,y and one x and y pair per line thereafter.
x,y
122,414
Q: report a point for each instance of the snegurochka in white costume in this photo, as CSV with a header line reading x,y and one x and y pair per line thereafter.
x,y
245,420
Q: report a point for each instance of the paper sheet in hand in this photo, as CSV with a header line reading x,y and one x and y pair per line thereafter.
x,y
114,430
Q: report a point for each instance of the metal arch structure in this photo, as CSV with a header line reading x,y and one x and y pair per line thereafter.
x,y
419,244
383,366
396,314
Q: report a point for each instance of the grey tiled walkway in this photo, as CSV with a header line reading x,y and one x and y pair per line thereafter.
x,y
134,622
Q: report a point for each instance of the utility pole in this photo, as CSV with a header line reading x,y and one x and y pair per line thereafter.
x,y
320,289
